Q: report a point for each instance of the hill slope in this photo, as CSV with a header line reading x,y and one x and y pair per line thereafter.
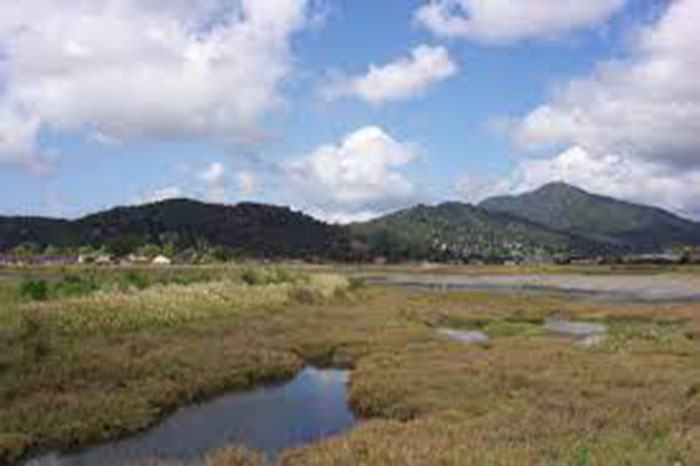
x,y
249,230
459,231
15,231
573,210
554,218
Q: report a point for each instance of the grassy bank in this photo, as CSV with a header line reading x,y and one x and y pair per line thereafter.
x,y
80,370
84,369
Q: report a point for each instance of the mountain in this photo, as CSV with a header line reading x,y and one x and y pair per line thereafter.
x,y
15,231
461,231
556,218
570,209
247,229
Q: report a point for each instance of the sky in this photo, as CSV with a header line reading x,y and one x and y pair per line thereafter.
x,y
345,109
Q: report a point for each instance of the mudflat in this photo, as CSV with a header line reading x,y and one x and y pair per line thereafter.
x,y
622,287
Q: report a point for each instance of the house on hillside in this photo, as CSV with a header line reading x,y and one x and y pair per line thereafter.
x,y
654,258
585,261
104,259
38,260
56,260
137,259
7,260
162,260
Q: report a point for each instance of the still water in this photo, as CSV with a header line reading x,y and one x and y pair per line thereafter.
x,y
309,408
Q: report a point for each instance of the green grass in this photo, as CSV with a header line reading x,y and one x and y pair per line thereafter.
x,y
88,368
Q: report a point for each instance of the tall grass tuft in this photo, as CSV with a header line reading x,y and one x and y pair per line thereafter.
x,y
270,275
36,290
171,305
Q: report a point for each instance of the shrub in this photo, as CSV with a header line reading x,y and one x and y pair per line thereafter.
x,y
305,294
693,390
355,283
75,285
13,446
268,276
33,338
329,285
252,276
36,290
134,279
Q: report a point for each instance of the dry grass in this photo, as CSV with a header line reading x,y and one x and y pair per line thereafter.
x,y
86,369
234,456
525,398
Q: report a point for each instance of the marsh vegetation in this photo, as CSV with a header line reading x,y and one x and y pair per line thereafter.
x,y
81,369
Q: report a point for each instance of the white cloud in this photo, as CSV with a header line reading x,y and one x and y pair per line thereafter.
x,y
344,217
247,183
128,69
216,180
360,175
613,175
202,181
162,194
647,106
17,142
503,21
405,78
632,127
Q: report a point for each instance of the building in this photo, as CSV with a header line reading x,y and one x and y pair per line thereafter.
x,y
162,260
103,260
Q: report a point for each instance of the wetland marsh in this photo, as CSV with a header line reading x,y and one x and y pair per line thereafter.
x,y
84,370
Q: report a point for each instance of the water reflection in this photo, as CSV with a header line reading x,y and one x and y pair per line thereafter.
x,y
310,407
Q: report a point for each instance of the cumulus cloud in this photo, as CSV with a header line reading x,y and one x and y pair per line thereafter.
x,y
647,106
18,143
613,175
402,79
247,183
203,181
127,69
216,180
631,129
359,176
161,194
344,217
503,21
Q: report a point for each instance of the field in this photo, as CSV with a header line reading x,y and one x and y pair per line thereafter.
x,y
108,352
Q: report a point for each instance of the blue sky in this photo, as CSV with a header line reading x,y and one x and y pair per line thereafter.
x,y
275,102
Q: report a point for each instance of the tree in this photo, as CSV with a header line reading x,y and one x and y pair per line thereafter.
x,y
26,249
149,250
169,249
53,251
123,244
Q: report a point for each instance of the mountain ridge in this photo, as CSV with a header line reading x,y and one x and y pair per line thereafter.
x,y
247,229
557,218
571,209
460,231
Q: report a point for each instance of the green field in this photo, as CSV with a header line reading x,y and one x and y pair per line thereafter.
x,y
105,352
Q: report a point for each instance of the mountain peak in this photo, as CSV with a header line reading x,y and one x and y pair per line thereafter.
x,y
558,186
558,189
568,208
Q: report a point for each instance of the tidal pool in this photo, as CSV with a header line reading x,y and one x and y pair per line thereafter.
x,y
309,408
586,333
464,336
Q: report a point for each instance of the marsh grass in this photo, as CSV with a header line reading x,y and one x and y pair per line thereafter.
x,y
83,369
233,456
83,282
116,362
527,397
